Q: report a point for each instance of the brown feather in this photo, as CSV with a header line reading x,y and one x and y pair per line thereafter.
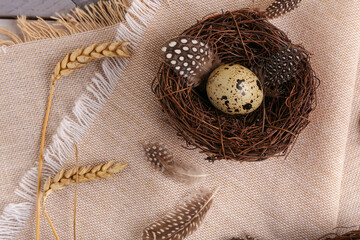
x,y
184,220
281,70
280,7
158,155
244,238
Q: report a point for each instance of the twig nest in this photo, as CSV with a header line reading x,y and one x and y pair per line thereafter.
x,y
242,37
234,89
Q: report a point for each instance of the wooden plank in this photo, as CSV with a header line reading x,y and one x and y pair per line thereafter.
x,y
42,8
9,24
82,3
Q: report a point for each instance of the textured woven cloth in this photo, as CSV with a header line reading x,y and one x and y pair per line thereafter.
x,y
304,196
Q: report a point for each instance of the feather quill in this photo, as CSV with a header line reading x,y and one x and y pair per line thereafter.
x,y
184,220
280,7
163,160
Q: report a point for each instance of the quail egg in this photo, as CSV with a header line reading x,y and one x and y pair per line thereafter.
x,y
234,89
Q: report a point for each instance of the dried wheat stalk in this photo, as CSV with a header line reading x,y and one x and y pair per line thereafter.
x,y
82,56
68,65
85,174
75,176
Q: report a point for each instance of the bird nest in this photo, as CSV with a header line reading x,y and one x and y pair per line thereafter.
x,y
241,37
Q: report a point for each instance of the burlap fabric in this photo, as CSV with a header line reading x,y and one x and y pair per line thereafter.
x,y
24,85
302,197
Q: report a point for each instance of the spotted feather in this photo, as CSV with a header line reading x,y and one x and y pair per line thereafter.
x,y
191,58
158,155
281,70
184,220
280,7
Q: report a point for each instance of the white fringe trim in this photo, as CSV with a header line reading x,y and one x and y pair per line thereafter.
x,y
85,110
3,49
13,218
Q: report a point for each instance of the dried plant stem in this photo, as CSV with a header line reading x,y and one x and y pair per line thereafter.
x,y
221,137
72,61
50,222
241,38
38,200
175,92
76,188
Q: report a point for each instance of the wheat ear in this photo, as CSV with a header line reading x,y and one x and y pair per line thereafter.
x,y
82,56
85,174
71,62
77,175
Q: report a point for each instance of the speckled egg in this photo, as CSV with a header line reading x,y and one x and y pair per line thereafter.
x,y
234,89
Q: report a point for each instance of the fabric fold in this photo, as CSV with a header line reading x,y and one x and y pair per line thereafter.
x,y
349,205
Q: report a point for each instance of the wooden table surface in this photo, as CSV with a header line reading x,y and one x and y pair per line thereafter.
x,y
42,8
9,24
10,9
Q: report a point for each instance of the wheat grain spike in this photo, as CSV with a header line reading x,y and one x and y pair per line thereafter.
x,y
80,57
86,173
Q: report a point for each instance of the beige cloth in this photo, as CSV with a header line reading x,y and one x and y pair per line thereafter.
x,y
302,197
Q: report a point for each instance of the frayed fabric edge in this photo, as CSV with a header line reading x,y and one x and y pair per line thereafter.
x,y
13,218
94,16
